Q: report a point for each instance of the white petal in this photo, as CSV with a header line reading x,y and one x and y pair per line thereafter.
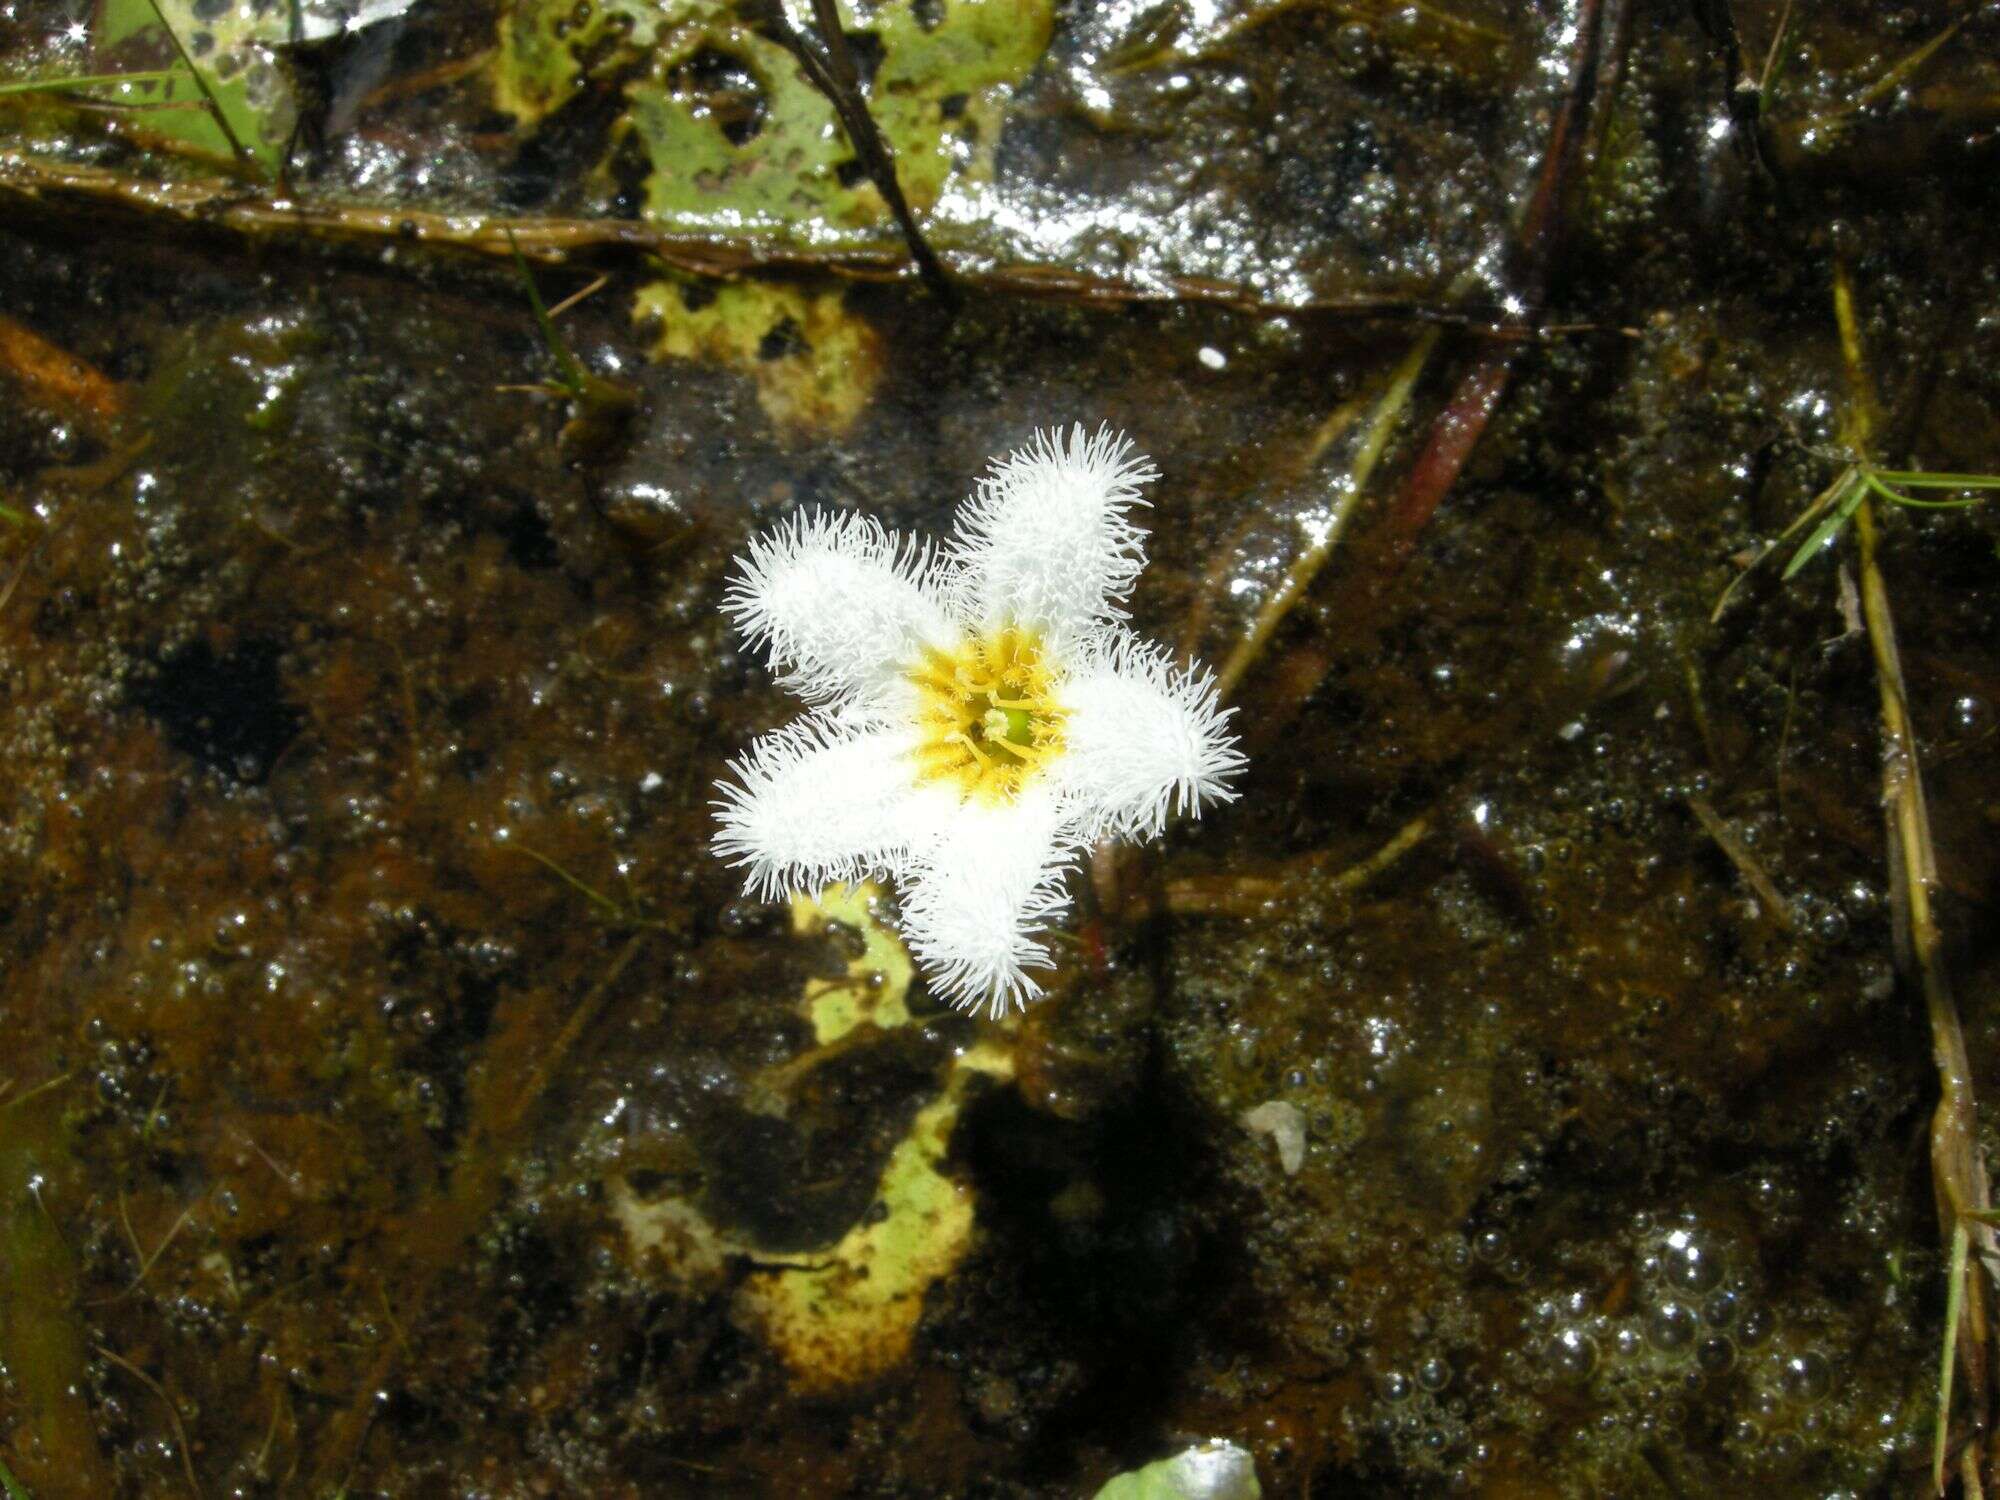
x,y
818,802
1143,738
1047,540
974,906
841,603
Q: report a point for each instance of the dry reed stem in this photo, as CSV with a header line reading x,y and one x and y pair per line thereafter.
x,y
1958,1168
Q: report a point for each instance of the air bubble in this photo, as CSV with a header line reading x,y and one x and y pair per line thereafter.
x,y
1572,1354
1354,45
1689,1265
1715,1355
1434,1375
1395,1386
1721,1309
1807,1376
1757,1326
1671,1326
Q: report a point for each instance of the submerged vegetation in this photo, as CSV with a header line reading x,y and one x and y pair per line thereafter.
x,y
1567,1069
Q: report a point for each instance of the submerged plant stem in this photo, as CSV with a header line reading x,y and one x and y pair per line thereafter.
x,y
1306,566
1247,895
1740,855
1958,1167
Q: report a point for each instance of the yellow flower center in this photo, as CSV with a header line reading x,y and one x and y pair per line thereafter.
x,y
986,713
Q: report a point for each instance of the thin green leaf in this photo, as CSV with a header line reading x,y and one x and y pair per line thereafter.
x,y
1954,1304
595,897
1833,494
1932,479
10,1484
1896,497
1822,534
569,372
87,81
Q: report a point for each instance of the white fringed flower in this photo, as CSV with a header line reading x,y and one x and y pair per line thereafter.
x,y
981,713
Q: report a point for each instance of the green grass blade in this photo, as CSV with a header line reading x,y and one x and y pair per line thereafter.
x,y
1954,1303
569,372
1932,479
87,81
1821,535
1897,497
1833,494
10,1484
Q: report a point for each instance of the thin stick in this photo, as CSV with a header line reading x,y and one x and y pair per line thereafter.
x,y
1731,843
154,1259
579,295
173,1412
840,81
1245,895
41,1088
243,155
1306,567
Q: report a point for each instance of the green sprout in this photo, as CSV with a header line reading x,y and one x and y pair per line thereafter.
x,y
1833,508
1835,505
10,1484
599,407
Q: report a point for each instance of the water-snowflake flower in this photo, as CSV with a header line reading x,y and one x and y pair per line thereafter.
x,y
980,712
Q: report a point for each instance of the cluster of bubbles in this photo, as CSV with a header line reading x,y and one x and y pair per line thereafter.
x,y
1678,1337
1683,1332
1422,1415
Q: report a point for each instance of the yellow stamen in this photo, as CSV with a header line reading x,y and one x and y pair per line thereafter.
x,y
986,714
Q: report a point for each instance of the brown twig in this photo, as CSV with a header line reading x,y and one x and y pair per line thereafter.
x,y
1730,842
829,66
55,376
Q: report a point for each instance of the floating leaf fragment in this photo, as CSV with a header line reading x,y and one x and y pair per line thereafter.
x,y
815,363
